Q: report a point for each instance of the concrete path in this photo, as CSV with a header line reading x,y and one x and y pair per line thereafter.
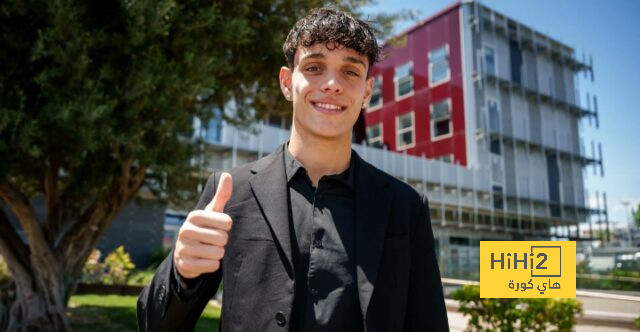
x,y
457,323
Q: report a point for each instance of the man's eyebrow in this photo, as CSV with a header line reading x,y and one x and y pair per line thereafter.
x,y
355,60
314,56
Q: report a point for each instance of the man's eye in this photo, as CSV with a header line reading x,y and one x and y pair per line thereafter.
x,y
352,73
313,69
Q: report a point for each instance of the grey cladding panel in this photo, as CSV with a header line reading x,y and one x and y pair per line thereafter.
x,y
535,122
505,112
510,171
531,77
558,78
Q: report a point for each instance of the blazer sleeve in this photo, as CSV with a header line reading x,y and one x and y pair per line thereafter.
x,y
426,309
162,306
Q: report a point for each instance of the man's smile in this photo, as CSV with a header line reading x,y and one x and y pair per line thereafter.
x,y
328,107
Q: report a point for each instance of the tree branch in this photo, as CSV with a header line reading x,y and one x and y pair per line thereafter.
x,y
12,249
80,240
21,207
52,196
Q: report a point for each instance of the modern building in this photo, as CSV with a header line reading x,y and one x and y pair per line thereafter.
x,y
473,87
476,110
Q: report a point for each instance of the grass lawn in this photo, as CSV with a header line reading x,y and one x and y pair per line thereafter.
x,y
103,313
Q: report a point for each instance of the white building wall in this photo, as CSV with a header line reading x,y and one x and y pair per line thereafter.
x,y
523,171
520,117
501,47
570,87
545,75
563,123
539,189
548,125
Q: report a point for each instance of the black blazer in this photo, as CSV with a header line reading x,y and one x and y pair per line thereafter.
x,y
397,273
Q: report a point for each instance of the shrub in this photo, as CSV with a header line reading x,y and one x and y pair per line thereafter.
x,y
92,271
113,271
118,264
157,256
534,314
141,277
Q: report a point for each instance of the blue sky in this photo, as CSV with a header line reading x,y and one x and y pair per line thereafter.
x,y
607,30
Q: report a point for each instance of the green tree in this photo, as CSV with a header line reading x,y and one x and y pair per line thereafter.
x,y
95,97
636,215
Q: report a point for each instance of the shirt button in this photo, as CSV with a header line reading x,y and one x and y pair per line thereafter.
x,y
319,196
280,319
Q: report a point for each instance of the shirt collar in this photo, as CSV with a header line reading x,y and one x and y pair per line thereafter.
x,y
292,167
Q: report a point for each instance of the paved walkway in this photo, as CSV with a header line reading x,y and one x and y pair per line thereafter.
x,y
457,323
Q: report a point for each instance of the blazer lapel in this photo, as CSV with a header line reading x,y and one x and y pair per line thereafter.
x,y
373,202
269,187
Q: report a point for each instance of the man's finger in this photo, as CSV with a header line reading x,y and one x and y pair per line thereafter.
x,y
223,194
209,219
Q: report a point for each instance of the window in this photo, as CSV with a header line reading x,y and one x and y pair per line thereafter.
x,y
495,145
447,158
404,80
439,65
376,95
274,121
214,126
490,60
498,202
494,116
441,125
458,241
374,135
405,137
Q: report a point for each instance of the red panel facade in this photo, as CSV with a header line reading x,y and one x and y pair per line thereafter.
x,y
443,28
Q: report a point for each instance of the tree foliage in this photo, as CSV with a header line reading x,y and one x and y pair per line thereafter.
x,y
97,100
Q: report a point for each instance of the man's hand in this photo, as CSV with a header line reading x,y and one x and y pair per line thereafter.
x,y
203,236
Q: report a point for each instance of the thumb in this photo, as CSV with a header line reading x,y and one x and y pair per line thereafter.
x,y
223,194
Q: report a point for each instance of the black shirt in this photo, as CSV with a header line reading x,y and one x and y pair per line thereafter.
x,y
322,221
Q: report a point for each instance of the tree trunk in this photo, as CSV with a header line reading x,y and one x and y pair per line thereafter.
x,y
40,303
45,271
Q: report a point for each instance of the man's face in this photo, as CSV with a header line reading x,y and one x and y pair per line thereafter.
x,y
328,88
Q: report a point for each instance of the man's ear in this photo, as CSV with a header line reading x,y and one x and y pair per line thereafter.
x,y
368,90
285,82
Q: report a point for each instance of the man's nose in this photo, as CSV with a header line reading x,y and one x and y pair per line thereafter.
x,y
332,84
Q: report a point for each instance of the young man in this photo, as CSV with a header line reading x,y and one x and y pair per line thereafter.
x,y
311,237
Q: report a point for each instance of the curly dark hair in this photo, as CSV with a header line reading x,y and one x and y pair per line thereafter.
x,y
334,28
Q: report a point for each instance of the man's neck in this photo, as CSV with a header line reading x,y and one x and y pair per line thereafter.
x,y
320,156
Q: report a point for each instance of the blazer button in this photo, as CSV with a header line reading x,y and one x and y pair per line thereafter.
x,y
280,319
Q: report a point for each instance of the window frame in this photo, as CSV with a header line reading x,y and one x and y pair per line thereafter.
x,y
380,138
404,130
442,158
447,78
396,85
378,105
433,121
492,100
495,59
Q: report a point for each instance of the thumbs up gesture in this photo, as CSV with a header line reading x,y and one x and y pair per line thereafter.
x,y
203,236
